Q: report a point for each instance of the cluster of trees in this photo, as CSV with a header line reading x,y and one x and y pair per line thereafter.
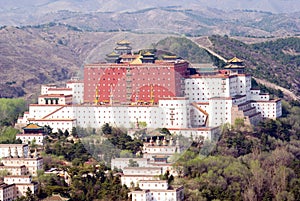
x,y
72,151
10,109
184,48
89,182
259,164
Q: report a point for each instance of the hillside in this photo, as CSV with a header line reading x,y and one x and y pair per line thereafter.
x,y
194,18
31,56
275,60
53,53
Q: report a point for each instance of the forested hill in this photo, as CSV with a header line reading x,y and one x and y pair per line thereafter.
x,y
276,61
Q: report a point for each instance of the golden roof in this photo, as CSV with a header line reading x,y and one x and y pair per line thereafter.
x,y
123,42
234,66
137,60
123,48
235,60
148,54
170,56
113,54
32,126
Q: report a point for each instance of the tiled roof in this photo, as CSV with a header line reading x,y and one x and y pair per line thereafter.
x,y
235,60
32,126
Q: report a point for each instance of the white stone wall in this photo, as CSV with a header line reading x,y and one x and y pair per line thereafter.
x,y
40,111
142,171
157,190
65,91
175,112
257,96
62,100
46,87
200,89
32,164
268,109
21,189
219,111
128,180
7,192
77,91
160,149
62,124
154,185
121,163
197,117
22,179
4,150
18,170
28,138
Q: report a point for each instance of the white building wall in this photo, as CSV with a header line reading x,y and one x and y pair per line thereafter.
x,y
18,170
40,111
268,109
121,163
77,91
28,138
200,89
195,134
257,96
4,150
130,180
219,111
46,87
32,164
141,196
22,179
7,192
154,185
233,86
175,113
57,124
65,91
142,171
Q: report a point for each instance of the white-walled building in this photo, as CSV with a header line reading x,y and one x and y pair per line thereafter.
x,y
7,192
32,133
157,190
132,175
121,163
21,184
209,99
32,164
15,170
14,150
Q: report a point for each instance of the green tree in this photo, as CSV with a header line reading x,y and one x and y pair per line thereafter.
x,y
106,129
10,109
133,163
66,133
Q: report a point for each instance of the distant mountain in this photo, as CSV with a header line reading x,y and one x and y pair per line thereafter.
x,y
194,17
45,6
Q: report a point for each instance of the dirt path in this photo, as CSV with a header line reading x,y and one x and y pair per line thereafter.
x,y
207,49
285,91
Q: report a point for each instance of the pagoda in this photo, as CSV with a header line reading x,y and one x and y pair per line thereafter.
x,y
235,65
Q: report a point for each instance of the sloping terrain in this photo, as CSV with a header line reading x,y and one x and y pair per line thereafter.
x,y
52,54
196,17
275,60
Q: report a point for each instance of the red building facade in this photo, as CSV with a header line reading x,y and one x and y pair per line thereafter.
x,y
134,81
